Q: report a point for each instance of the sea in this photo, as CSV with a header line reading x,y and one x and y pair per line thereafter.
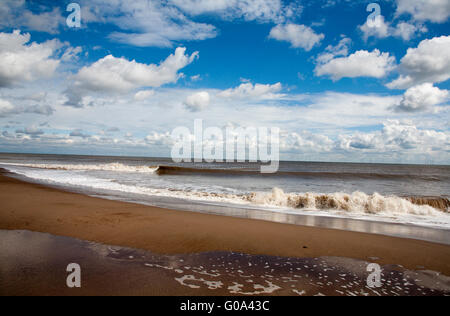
x,y
306,193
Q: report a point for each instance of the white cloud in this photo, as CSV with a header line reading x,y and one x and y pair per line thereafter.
x,y
14,13
197,7
159,139
198,101
305,141
145,22
71,54
406,30
429,62
422,97
119,75
250,10
383,29
196,78
253,91
360,64
300,36
20,61
425,10
149,22
397,136
143,95
379,28
6,108
48,22
341,49
313,125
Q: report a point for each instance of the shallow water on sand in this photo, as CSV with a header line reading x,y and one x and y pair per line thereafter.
x,y
35,264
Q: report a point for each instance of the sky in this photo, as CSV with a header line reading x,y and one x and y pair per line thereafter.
x,y
348,81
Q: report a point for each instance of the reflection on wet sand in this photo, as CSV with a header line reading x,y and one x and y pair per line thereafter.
x,y
35,264
441,236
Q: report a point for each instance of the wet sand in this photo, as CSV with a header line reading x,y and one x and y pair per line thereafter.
x,y
35,264
37,208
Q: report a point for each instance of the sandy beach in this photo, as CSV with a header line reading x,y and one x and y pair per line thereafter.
x,y
35,264
27,206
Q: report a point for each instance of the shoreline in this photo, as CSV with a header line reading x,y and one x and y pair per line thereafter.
x,y
34,207
378,226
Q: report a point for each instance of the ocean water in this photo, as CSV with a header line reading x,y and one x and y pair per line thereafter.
x,y
402,194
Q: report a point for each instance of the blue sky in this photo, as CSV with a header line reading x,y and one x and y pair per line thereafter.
x,y
338,86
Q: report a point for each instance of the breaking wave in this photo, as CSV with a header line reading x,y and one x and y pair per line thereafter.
x,y
357,202
163,170
175,170
116,167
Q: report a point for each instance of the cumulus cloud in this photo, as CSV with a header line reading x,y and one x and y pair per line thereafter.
x,y
119,75
198,101
360,64
253,91
21,61
421,98
315,126
305,141
379,28
425,10
383,29
429,62
341,49
299,36
397,136
159,139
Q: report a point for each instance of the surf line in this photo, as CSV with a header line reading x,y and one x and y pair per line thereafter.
x,y
214,144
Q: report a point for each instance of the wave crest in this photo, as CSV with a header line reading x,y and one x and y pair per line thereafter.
x,y
357,202
116,167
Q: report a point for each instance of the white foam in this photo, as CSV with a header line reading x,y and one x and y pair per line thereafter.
x,y
116,167
357,205
358,202
237,288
